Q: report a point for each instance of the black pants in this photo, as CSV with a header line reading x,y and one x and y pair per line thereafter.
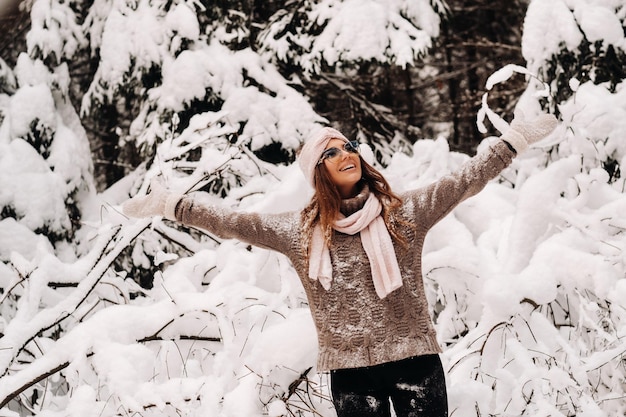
x,y
416,387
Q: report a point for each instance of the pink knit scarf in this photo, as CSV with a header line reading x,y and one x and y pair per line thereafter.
x,y
376,242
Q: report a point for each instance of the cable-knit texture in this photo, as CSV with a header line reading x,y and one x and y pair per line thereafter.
x,y
355,327
369,224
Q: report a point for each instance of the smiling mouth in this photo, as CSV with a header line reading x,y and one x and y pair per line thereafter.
x,y
347,167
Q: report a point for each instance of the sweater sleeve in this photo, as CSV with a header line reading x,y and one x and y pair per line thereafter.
x,y
435,201
269,231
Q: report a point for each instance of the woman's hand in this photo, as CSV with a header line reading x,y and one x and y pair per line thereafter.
x,y
523,133
158,202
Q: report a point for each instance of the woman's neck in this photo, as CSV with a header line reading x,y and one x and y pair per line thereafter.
x,y
355,203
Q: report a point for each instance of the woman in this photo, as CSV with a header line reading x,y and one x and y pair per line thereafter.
x,y
357,248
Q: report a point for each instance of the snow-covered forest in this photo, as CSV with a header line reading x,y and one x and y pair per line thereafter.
x,y
102,315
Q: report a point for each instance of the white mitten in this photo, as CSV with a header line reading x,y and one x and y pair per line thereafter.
x,y
158,202
522,132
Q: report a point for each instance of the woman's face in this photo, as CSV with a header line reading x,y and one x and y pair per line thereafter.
x,y
344,170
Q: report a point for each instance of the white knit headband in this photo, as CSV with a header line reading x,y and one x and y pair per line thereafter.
x,y
313,148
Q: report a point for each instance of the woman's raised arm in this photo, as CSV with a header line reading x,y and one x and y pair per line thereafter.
x,y
278,232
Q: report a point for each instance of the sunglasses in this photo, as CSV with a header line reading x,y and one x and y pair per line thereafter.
x,y
332,154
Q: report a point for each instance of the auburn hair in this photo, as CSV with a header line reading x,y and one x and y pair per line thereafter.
x,y
325,204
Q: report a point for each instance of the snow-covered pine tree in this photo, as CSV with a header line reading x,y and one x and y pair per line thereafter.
x,y
586,53
541,333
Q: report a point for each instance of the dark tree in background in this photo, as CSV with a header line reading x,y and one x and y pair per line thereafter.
x,y
479,37
438,95
14,24
441,95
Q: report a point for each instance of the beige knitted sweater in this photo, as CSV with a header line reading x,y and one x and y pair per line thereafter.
x,y
355,327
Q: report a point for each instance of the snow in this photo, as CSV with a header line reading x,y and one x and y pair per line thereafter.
x,y
129,33
183,21
398,31
547,25
17,238
54,31
31,103
599,23
356,28
36,177
34,197
284,113
183,80
525,280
